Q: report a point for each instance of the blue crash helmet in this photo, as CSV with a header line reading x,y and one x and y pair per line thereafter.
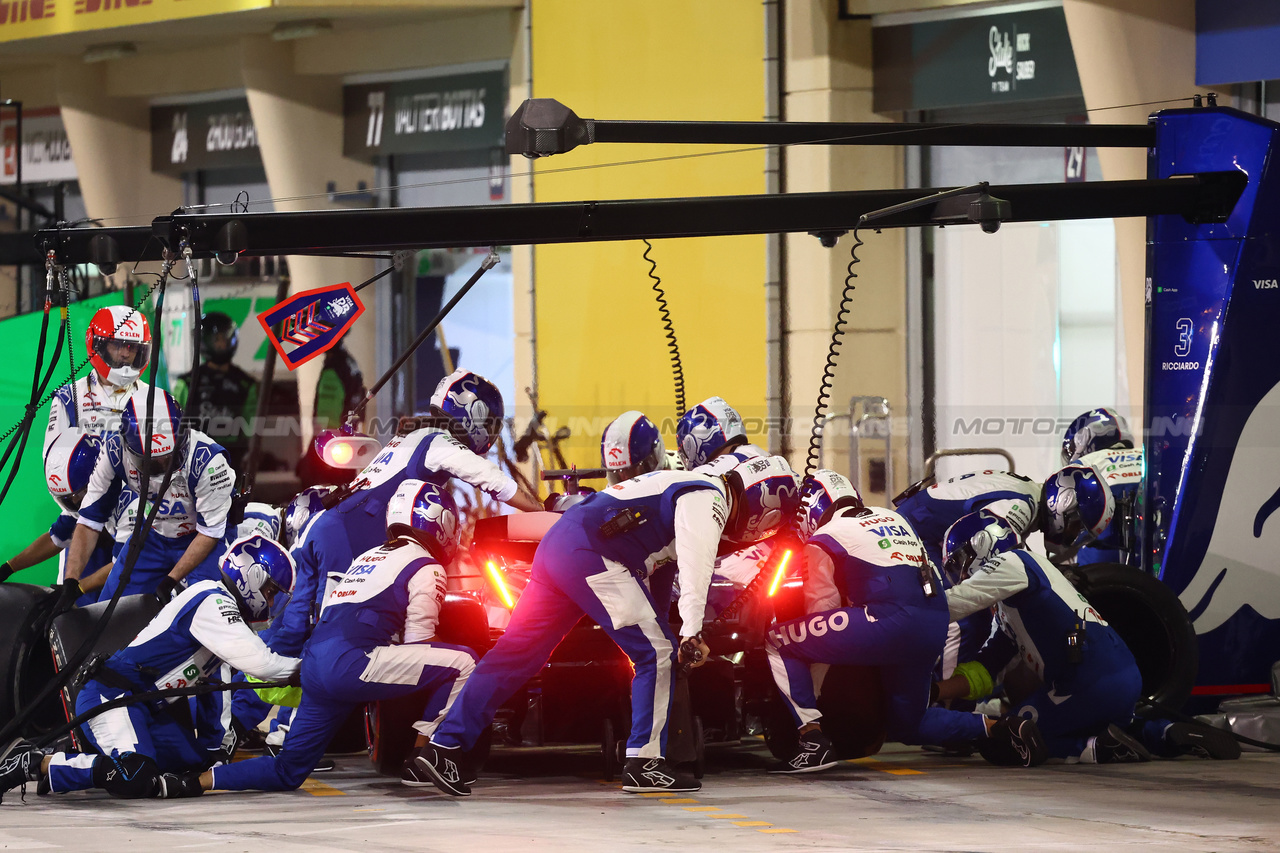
x,y
705,429
973,538
1096,429
822,494
474,404
1078,506
427,514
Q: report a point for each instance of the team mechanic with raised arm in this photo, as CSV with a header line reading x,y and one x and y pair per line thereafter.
x,y
466,422
192,518
596,560
874,599
143,747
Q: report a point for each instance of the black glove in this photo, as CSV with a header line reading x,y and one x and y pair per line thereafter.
x,y
295,680
67,593
5,571
167,590
174,786
933,692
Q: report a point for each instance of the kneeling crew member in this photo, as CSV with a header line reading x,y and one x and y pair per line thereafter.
x,y
874,604
142,747
375,640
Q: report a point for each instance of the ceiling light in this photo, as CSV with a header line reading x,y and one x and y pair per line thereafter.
x,y
300,29
108,52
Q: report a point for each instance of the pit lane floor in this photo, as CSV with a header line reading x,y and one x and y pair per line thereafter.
x,y
552,800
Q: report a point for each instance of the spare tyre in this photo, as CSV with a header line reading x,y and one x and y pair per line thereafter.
x,y
25,664
1152,622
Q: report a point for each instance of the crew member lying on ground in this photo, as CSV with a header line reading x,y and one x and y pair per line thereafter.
x,y
143,749
874,599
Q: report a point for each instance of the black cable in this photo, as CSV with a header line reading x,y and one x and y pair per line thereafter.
x,y
134,698
66,321
140,531
193,387
829,369
677,369
76,368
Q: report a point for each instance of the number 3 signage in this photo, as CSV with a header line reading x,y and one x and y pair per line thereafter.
x,y
1182,348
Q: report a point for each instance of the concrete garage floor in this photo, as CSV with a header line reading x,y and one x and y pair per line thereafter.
x,y
901,800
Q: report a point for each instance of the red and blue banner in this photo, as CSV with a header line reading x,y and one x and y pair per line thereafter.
x,y
311,322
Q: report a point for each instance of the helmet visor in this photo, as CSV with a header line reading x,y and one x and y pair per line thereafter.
x,y
156,465
117,352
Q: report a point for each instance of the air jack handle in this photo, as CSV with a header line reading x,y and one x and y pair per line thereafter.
x,y
489,262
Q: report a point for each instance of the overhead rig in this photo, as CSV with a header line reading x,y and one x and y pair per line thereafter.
x,y
540,128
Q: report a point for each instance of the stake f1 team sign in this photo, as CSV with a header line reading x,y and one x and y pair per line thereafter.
x,y
311,322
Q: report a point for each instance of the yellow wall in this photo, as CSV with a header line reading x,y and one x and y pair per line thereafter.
x,y
600,345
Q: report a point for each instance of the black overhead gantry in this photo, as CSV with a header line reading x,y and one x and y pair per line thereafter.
x,y
542,127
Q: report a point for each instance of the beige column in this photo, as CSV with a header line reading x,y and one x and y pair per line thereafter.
x,y
299,123
111,141
1129,52
829,78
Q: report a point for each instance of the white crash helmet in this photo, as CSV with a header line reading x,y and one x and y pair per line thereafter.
x,y
631,446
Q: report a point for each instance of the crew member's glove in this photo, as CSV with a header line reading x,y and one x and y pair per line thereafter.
x,y
693,651
980,682
68,593
167,590
5,571
175,786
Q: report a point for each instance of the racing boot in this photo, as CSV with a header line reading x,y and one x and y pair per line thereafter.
x,y
1014,742
20,768
815,753
645,775
1202,741
446,766
413,777
1114,747
176,786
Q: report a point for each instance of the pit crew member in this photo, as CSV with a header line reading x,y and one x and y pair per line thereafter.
x,y
142,748
375,640
192,518
595,560
874,599
1101,438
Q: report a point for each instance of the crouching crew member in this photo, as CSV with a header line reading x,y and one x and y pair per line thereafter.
x,y
143,749
375,640
596,560
192,518
1101,438
1085,705
874,599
